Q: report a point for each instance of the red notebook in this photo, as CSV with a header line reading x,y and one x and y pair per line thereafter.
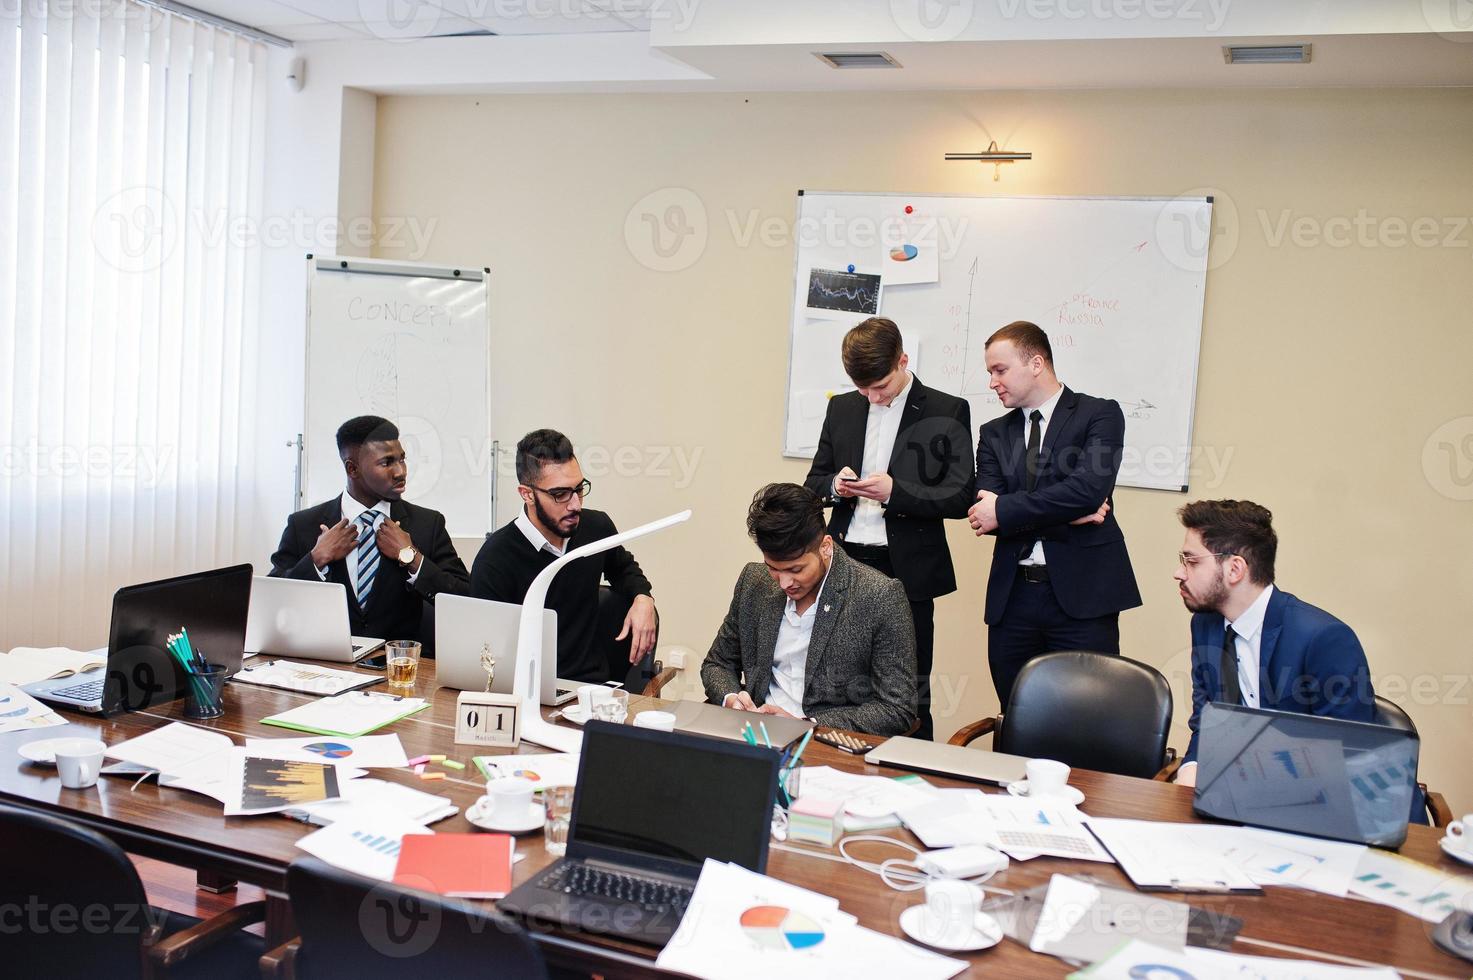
x,y
458,865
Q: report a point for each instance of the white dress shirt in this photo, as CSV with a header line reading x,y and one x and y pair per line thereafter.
x,y
351,511
1249,642
1035,557
535,537
880,429
790,655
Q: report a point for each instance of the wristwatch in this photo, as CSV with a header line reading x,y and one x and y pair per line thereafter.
x,y
406,555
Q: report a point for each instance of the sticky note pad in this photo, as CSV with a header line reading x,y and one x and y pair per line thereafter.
x,y
452,764
418,760
432,775
434,758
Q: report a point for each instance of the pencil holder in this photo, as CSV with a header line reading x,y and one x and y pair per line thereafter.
x,y
204,693
789,784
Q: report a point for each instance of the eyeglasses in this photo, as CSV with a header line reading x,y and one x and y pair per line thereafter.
x,y
1183,558
561,495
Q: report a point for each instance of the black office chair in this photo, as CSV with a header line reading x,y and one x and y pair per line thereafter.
x,y
83,912
1087,710
357,927
1390,714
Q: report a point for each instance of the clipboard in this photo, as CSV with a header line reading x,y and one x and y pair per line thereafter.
x,y
1211,875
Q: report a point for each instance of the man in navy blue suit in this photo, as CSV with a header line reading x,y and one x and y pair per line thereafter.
x,y
1045,474
1252,643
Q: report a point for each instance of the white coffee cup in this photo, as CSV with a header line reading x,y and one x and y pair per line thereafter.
x,y
79,760
591,694
507,800
1460,834
1046,777
952,911
662,721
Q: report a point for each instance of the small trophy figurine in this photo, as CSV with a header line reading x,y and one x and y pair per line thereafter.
x,y
489,663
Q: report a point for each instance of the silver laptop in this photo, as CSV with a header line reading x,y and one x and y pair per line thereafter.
x,y
139,673
467,628
299,618
949,760
714,720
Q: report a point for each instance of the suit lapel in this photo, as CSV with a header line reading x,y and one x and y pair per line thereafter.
x,y
769,619
830,604
338,570
852,451
1273,625
1063,410
915,408
1016,451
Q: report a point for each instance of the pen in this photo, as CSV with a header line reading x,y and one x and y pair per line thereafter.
x,y
747,734
765,738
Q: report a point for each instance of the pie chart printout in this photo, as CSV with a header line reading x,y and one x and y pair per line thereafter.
x,y
777,928
330,750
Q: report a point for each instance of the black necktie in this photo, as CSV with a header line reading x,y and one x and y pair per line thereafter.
x,y
1231,693
1030,460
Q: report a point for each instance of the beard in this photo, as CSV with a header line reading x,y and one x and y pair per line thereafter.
x,y
1210,600
565,529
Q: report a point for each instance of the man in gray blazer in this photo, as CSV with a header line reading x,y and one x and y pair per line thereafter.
x,y
811,632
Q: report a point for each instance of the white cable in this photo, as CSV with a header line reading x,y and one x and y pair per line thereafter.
x,y
907,875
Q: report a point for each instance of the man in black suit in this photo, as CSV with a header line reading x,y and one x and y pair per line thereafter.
x,y
391,555
913,445
1045,474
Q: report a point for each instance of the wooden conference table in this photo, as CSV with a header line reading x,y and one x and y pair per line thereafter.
x,y
188,830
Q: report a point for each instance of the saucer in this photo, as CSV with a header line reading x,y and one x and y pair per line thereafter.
x,y
1069,795
531,821
1454,852
574,713
917,923
42,752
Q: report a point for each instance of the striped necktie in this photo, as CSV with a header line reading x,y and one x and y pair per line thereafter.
x,y
367,556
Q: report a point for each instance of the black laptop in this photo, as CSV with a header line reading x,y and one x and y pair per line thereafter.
x,y
650,807
1325,777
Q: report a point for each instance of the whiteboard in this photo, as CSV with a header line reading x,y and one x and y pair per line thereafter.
x,y
1117,283
411,343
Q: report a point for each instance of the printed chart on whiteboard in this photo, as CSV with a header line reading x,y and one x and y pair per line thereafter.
x,y
1117,283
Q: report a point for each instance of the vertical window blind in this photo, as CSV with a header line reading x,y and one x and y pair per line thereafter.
x,y
130,192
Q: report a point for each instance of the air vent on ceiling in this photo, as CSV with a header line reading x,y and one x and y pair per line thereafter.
x,y
856,59
1266,54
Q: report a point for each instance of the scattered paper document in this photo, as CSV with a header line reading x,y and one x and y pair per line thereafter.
x,y
351,715
1428,893
1273,858
741,924
184,756
543,771
18,711
1171,856
1020,827
1136,959
368,752
366,799
369,847
866,797
26,665
303,678
269,785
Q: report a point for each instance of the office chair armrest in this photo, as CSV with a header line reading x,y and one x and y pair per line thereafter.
x,y
658,682
968,734
1168,771
173,950
281,962
1437,807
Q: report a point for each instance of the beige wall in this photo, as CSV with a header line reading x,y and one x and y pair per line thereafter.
x,y
1326,368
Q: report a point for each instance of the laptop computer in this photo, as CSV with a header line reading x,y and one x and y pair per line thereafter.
x,y
466,628
700,718
304,619
950,760
140,673
1325,777
649,808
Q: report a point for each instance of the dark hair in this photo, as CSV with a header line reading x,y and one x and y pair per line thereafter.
x,y
1236,527
785,520
365,428
1027,338
871,350
537,448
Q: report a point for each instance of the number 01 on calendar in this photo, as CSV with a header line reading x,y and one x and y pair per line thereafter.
x,y
482,718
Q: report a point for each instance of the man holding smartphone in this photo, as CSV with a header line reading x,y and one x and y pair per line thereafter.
x,y
913,446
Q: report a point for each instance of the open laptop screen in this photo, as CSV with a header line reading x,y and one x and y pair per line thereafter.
x,y
673,797
1347,780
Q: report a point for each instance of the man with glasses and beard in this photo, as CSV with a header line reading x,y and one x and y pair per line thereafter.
x,y
1252,643
552,522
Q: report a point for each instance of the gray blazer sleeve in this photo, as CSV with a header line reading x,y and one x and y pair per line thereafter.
x,y
885,698
721,672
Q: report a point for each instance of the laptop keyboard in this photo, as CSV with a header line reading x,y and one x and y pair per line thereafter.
x,y
649,894
87,691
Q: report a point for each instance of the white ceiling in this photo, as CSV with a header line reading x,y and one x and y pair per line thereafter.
x,y
769,45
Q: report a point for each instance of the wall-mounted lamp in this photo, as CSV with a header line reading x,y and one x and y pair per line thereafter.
x,y
993,155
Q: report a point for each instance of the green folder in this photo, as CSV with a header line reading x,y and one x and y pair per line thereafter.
x,y
321,718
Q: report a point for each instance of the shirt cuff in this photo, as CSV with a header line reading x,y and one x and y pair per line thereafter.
x,y
321,573
415,574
